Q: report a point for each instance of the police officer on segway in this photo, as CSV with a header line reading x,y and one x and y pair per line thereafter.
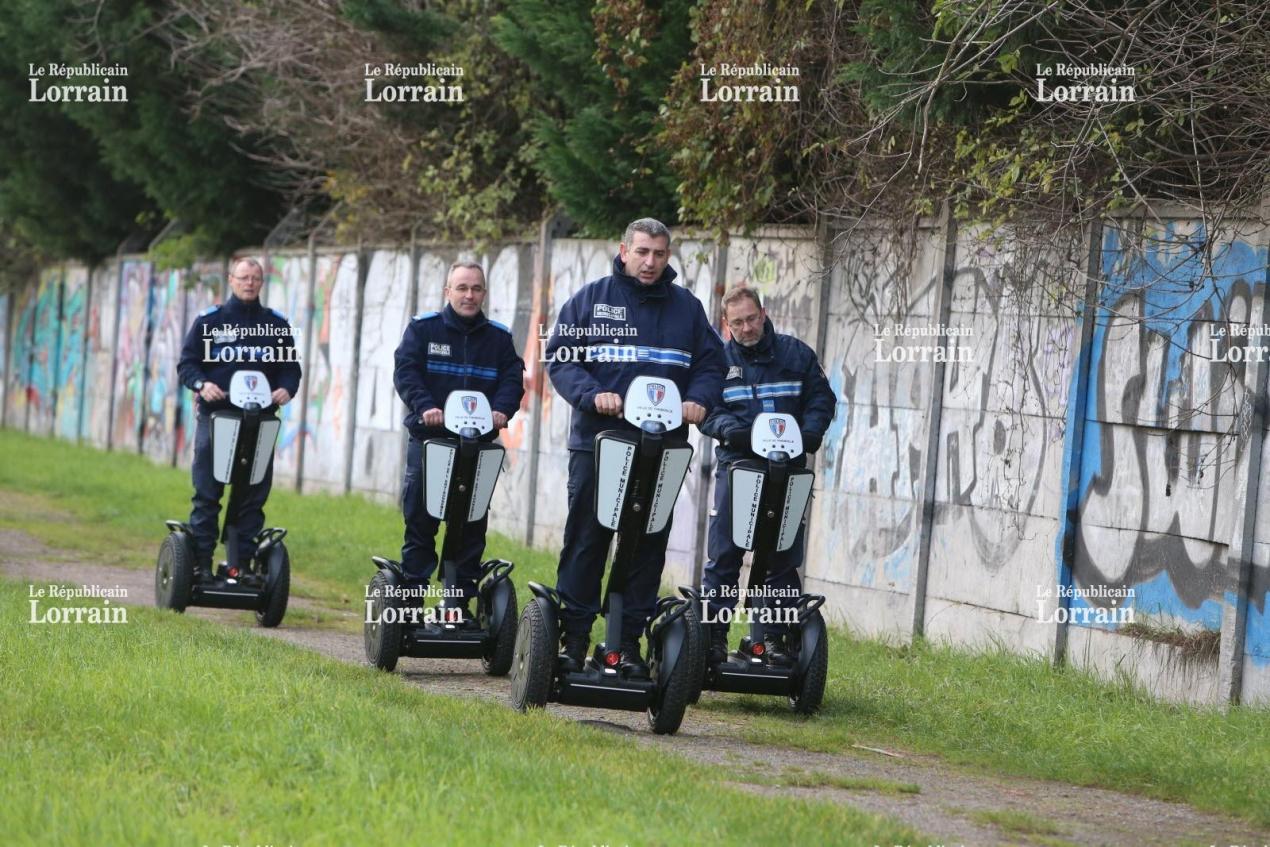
x,y
453,349
767,372
634,322
239,334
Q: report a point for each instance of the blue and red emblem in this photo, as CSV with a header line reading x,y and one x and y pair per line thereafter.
x,y
469,404
777,425
656,391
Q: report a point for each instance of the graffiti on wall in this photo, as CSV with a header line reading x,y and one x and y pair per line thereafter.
x,y
166,319
20,349
377,442
329,415
102,328
1164,418
42,387
287,291
202,286
130,355
71,361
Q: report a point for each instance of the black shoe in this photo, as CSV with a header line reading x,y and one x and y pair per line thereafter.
x,y
775,650
718,643
574,653
633,666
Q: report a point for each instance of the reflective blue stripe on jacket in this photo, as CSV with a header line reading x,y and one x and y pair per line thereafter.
x,y
615,329
440,352
778,374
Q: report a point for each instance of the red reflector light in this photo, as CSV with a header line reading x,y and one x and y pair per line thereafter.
x,y
233,573
612,658
758,648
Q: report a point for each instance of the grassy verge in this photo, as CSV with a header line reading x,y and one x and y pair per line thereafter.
x,y
1011,714
170,730
125,499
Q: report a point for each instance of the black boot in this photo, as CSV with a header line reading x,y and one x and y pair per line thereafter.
x,y
633,666
574,653
718,643
775,650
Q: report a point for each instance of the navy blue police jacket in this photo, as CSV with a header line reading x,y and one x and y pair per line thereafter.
x,y
615,329
778,374
238,335
442,352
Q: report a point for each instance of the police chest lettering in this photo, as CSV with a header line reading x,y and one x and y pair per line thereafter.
x,y
435,349
605,311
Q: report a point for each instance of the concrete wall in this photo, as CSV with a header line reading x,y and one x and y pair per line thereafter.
x,y
1064,430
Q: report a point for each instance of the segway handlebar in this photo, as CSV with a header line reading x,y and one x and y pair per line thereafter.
x,y
652,402
776,437
250,391
468,414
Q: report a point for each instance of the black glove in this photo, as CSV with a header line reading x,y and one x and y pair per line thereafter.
x,y
811,442
738,438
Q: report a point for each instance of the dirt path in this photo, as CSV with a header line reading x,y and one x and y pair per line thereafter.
x,y
950,806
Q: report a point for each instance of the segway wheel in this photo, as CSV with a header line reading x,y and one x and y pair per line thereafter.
x,y
382,638
174,573
500,650
697,651
670,701
534,658
810,690
278,587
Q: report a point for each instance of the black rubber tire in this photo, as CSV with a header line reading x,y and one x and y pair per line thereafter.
x,y
670,700
276,603
501,649
534,658
174,573
381,640
698,648
810,691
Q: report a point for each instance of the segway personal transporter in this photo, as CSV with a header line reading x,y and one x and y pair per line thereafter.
x,y
459,475
243,439
637,480
769,501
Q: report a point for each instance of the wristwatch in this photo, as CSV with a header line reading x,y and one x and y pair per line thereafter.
x,y
198,385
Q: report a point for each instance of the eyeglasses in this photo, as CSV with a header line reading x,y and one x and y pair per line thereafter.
x,y
739,323
250,278
463,290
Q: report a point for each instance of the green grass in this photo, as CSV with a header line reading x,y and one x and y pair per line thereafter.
x,y
797,778
1011,714
125,498
1018,823
172,730
1020,715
